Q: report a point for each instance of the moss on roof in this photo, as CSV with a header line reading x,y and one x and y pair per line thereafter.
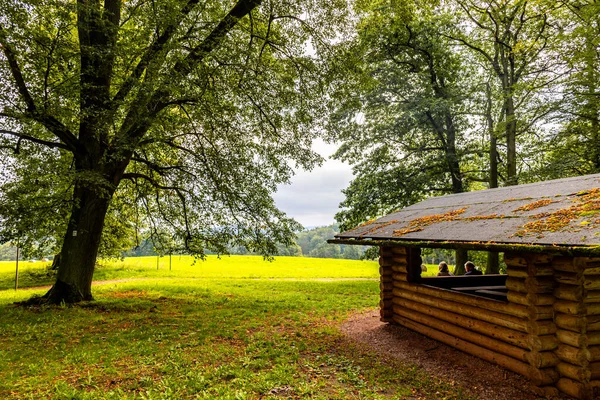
x,y
562,212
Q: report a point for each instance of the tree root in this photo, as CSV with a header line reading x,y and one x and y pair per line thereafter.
x,y
60,293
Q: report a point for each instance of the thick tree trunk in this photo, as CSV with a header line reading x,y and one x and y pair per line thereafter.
x,y
462,256
493,263
591,105
80,247
493,153
452,157
511,142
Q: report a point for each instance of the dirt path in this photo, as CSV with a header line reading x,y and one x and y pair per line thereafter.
x,y
477,377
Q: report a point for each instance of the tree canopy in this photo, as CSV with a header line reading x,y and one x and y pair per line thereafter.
x,y
458,95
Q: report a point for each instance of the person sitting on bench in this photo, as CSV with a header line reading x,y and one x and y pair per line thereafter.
x,y
443,267
471,270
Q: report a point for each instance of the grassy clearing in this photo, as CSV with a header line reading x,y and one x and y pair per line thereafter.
x,y
212,338
37,274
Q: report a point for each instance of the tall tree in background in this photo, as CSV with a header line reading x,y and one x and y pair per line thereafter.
x,y
185,112
403,124
511,38
576,148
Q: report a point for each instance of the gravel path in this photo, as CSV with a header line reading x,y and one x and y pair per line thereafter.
x,y
477,377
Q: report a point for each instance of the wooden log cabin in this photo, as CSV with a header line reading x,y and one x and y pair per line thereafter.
x,y
542,318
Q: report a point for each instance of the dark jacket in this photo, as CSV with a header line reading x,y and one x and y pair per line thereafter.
x,y
474,272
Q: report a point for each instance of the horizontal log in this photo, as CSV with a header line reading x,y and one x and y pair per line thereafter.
x,y
542,343
516,338
400,269
594,353
516,285
575,389
514,259
540,312
574,355
595,370
591,296
465,334
517,272
591,271
571,322
542,284
386,304
569,307
579,373
537,258
531,270
385,278
568,264
568,278
384,271
399,260
577,323
387,314
386,295
575,372
385,262
386,286
575,339
543,377
577,293
568,292
592,283
577,308
544,327
530,298
399,250
531,284
516,310
507,321
542,359
399,276
385,252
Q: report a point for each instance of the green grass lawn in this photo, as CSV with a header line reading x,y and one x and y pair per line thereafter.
x,y
234,328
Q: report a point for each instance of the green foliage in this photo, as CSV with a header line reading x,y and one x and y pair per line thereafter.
x,y
401,112
314,244
163,120
218,338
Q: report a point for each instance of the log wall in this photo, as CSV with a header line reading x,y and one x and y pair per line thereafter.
x,y
549,331
577,315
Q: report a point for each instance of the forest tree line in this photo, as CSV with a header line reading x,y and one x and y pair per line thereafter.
x,y
308,243
459,95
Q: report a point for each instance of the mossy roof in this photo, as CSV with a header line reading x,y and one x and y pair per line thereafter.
x,y
562,212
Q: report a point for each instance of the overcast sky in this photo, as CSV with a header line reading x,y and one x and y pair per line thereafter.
x,y
313,197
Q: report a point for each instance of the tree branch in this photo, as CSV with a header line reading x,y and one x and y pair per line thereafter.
x,y
35,140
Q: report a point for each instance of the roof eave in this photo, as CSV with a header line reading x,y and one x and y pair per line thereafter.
x,y
589,251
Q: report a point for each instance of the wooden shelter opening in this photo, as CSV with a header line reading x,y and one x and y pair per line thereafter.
x,y
541,319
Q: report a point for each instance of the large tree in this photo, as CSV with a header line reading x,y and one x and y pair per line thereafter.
x,y
512,41
404,125
178,116
576,147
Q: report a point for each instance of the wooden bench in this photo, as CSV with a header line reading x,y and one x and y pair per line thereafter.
x,y
492,294
475,288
